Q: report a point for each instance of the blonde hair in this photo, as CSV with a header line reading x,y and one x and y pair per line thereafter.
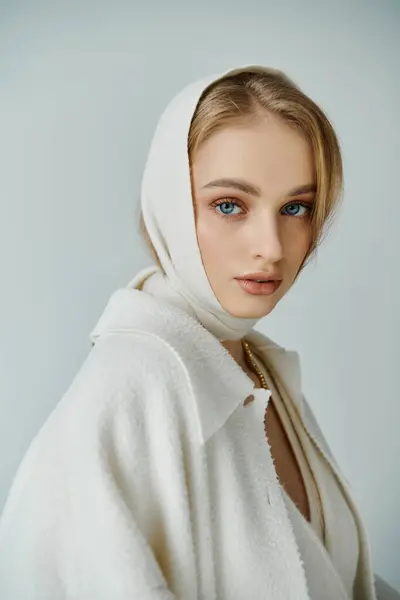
x,y
245,94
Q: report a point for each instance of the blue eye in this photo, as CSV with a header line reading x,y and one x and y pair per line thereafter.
x,y
227,208
296,206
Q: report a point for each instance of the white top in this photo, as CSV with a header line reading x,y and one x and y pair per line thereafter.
x,y
150,480
329,574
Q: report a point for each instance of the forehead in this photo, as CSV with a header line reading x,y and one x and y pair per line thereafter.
x,y
269,153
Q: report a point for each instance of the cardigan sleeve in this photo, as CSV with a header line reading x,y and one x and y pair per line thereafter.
x,y
82,520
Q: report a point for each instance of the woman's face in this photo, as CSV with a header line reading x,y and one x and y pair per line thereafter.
x,y
256,219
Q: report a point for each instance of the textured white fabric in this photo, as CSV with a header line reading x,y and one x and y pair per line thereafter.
x,y
294,435
150,480
330,569
323,580
167,207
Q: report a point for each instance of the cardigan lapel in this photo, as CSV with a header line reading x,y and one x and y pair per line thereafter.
x,y
217,383
285,370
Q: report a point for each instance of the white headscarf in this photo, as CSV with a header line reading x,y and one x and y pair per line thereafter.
x,y
168,213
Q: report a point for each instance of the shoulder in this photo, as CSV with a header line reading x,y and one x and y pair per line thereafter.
x,y
125,376
124,398
119,361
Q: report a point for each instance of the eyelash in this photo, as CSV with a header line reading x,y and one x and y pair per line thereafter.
x,y
235,202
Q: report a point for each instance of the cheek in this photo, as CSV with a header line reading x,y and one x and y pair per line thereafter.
x,y
297,245
208,237
215,250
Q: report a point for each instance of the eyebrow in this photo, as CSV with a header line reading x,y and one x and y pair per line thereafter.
x,y
253,190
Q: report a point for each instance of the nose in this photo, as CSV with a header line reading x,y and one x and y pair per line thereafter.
x,y
266,239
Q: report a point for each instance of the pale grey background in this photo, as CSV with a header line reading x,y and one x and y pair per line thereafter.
x,y
82,85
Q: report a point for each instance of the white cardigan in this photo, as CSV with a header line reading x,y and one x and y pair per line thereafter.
x,y
151,481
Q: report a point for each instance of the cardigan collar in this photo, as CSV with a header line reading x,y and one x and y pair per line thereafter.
x,y
218,383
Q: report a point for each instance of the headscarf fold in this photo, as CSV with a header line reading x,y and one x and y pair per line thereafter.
x,y
168,213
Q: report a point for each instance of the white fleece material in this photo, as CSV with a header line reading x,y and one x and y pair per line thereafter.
x,y
152,480
329,544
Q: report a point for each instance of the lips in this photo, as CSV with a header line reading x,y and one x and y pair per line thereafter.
x,y
259,279
253,287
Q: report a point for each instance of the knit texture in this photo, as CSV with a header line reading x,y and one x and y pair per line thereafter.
x,y
150,480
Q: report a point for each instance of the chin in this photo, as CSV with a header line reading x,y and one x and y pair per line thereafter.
x,y
249,310
241,305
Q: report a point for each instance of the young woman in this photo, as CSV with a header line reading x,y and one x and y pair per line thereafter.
x,y
183,462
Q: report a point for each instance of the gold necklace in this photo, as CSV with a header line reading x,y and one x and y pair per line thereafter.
x,y
252,363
